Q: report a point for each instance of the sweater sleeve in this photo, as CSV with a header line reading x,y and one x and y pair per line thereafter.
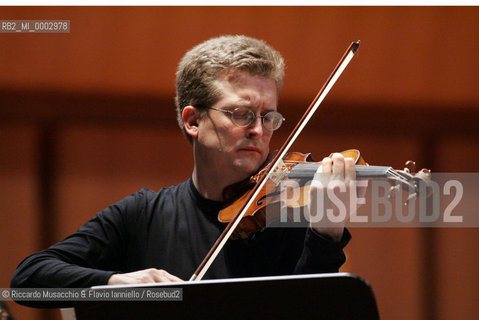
x,y
86,258
321,255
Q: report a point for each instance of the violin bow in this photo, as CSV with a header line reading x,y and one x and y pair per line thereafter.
x,y
221,241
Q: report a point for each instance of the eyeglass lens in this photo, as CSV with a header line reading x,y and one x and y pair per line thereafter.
x,y
243,117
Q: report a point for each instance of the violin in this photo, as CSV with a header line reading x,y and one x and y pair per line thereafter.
x,y
300,166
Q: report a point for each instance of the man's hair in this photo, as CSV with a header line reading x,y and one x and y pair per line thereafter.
x,y
206,62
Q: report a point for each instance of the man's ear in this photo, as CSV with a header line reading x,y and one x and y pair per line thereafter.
x,y
190,116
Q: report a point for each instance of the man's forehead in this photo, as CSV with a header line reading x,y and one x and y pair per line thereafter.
x,y
240,76
239,80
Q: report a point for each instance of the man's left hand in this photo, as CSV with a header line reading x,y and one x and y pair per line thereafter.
x,y
330,196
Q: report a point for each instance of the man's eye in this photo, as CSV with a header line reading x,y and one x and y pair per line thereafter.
x,y
241,113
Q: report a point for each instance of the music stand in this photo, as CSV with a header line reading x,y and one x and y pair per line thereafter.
x,y
319,296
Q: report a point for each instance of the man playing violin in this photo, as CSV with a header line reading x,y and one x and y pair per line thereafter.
x,y
227,97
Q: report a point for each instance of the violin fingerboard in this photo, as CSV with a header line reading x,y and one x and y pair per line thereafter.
x,y
307,170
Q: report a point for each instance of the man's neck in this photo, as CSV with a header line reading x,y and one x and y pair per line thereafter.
x,y
210,184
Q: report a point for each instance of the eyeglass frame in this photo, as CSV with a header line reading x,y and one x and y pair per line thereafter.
x,y
252,120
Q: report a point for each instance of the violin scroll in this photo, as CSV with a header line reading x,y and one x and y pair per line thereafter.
x,y
415,179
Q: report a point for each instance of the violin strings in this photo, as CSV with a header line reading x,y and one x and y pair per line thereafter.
x,y
394,173
390,171
400,178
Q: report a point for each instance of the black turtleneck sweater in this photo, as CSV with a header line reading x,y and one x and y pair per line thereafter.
x,y
172,229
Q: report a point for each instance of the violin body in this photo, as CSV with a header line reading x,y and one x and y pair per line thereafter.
x,y
255,216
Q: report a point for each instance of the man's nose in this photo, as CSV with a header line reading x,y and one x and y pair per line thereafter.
x,y
256,129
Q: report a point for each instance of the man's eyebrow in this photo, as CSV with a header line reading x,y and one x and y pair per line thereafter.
x,y
246,104
238,104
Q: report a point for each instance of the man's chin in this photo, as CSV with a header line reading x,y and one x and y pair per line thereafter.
x,y
249,168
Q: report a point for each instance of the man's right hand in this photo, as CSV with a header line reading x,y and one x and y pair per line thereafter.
x,y
143,276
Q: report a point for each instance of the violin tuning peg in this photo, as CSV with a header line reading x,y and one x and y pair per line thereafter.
x,y
410,199
392,191
423,175
410,166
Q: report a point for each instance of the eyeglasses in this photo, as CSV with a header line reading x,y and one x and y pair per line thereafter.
x,y
243,117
